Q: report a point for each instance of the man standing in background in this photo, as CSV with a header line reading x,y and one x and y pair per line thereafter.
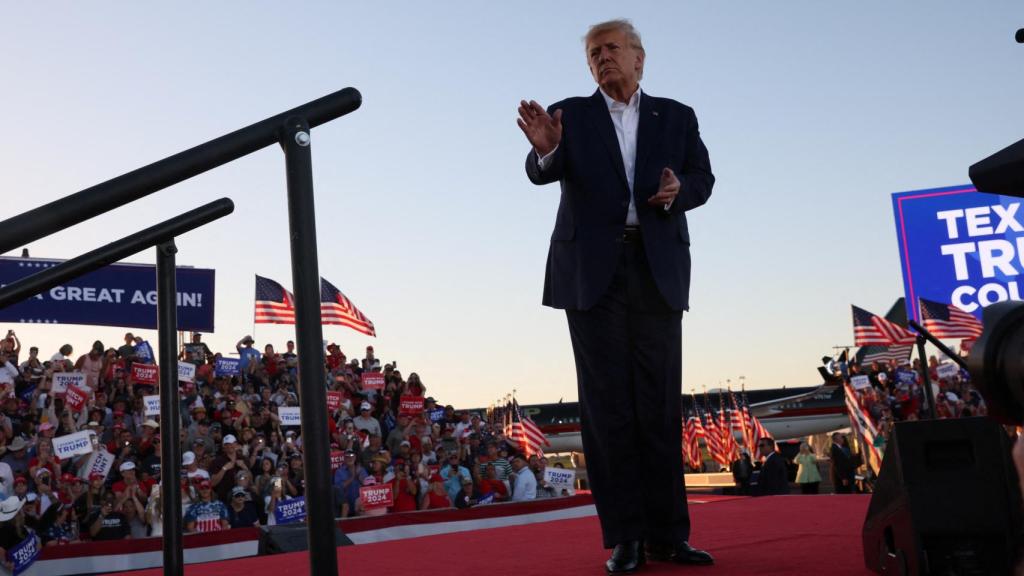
x,y
630,165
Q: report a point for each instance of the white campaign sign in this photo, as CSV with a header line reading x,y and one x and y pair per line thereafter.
x,y
560,477
289,416
186,372
860,382
73,444
61,381
948,370
100,462
152,405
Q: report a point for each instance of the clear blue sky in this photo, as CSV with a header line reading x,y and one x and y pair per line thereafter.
x,y
814,113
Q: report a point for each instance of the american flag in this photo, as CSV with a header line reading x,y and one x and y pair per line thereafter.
x,y
746,430
860,422
335,308
870,329
525,432
948,321
714,438
693,431
899,353
274,304
732,450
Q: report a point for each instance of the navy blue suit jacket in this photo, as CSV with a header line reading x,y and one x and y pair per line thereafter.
x,y
591,216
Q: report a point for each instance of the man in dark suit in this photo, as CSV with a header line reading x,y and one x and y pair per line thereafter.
x,y
630,165
774,477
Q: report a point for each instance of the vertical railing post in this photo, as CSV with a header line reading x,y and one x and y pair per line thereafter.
x,y
295,140
170,425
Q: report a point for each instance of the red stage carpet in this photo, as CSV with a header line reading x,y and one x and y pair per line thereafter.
x,y
764,536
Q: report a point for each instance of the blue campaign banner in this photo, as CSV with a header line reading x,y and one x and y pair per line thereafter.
x,y
24,553
959,246
436,415
908,377
227,367
290,510
117,295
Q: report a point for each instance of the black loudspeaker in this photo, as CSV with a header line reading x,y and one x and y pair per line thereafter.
x,y
292,538
946,501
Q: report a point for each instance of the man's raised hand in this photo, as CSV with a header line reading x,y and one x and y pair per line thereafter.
x,y
543,130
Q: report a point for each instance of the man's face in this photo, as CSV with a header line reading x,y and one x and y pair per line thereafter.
x,y
613,61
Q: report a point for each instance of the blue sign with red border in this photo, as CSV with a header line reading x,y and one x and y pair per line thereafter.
x,y
959,246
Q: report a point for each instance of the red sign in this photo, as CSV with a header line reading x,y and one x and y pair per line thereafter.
x,y
410,405
144,373
337,459
433,469
333,400
376,496
373,381
75,398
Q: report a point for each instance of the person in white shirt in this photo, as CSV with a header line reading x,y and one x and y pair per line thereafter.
x,y
524,482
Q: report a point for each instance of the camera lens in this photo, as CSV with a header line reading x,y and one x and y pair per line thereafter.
x,y
996,362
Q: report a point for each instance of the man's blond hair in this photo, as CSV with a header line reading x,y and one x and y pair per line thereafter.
x,y
617,25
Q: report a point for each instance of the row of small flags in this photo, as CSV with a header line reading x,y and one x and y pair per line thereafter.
x,y
890,341
718,431
275,305
521,430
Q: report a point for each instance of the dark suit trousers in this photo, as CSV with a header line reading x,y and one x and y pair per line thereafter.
x,y
628,351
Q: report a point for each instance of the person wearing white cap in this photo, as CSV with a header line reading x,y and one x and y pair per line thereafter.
x,y
224,467
12,528
365,421
192,469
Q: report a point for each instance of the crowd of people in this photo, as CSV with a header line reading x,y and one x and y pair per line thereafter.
x,y
239,463
896,393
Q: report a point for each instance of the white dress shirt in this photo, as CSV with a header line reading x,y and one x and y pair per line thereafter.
x,y
525,486
626,120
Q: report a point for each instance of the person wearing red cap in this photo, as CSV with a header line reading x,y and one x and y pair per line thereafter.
x,y
207,514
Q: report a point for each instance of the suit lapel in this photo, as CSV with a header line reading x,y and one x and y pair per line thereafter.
x,y
649,130
601,119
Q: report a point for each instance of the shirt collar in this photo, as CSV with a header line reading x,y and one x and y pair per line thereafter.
x,y
634,100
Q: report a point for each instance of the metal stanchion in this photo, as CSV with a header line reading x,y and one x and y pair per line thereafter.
x,y
170,447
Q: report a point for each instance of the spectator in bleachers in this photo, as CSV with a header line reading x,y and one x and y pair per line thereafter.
x,y
524,483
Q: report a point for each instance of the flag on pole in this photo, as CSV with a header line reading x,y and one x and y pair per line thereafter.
x,y
732,450
869,329
948,321
274,304
757,429
335,308
693,432
526,433
860,422
899,353
746,432
714,438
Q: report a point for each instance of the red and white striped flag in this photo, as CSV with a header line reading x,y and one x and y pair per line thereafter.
x,y
525,432
335,308
692,434
274,304
714,441
860,422
948,321
870,329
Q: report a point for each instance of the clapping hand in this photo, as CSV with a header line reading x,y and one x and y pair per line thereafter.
x,y
668,188
543,130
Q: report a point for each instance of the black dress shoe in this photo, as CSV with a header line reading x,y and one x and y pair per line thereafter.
x,y
686,554
626,558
